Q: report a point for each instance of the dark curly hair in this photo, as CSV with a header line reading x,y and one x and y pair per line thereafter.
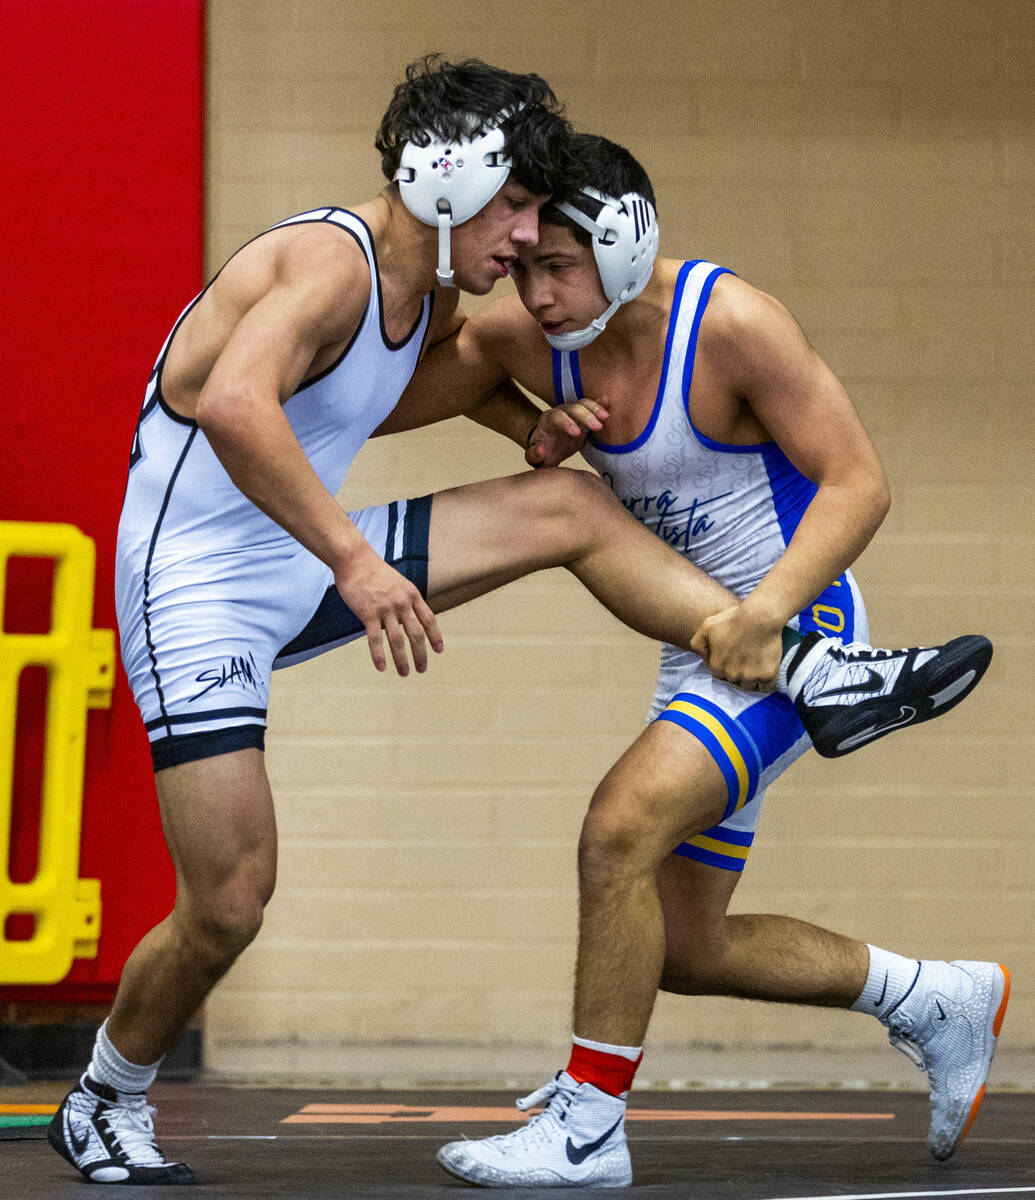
x,y
452,101
610,169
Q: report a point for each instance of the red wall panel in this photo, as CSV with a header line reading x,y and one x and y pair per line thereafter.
x,y
102,208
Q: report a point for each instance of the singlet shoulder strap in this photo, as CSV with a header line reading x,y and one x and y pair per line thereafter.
x,y
700,280
567,381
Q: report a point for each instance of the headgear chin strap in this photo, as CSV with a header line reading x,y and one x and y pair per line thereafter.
x,y
625,244
446,183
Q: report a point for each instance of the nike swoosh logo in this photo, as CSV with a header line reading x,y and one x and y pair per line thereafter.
x,y
906,714
883,992
873,682
941,1011
578,1154
79,1144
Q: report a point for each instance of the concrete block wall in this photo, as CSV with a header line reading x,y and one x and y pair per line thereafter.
x,y
872,166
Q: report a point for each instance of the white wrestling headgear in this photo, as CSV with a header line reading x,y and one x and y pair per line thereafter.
x,y
446,183
625,244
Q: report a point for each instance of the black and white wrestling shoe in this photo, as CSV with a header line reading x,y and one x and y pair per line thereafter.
x,y
110,1138
850,694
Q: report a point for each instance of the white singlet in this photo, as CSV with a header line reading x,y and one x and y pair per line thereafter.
x,y
730,510
209,590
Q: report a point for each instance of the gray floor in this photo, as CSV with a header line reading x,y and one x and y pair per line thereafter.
x,y
374,1145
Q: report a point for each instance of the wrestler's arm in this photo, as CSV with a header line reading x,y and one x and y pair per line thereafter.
x,y
313,300
465,372
770,365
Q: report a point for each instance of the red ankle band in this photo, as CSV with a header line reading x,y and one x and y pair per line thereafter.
x,y
610,1073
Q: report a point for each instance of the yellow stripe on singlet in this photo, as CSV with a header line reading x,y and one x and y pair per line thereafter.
x,y
727,849
717,730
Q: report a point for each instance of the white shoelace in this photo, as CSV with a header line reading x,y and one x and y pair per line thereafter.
x,y
544,1126
860,651
134,1126
908,1047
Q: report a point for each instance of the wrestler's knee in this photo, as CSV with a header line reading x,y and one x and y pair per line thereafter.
x,y
219,923
571,497
616,842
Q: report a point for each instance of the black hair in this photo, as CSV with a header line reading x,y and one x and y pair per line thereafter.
x,y
452,101
609,168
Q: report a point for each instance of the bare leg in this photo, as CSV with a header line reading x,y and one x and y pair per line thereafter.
x,y
218,818
487,534
665,788
758,956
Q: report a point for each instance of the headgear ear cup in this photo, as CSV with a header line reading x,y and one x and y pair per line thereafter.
x,y
625,245
625,242
446,183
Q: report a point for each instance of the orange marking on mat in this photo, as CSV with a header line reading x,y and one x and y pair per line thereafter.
x,y
377,1114
20,1109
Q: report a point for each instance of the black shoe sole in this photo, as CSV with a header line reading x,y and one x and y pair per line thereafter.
x,y
958,669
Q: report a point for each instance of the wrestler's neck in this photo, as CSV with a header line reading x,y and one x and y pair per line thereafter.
x,y
407,249
635,328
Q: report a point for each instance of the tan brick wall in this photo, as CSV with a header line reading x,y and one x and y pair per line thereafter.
x,y
872,166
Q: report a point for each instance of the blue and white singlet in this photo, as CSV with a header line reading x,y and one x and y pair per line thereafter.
x,y
731,510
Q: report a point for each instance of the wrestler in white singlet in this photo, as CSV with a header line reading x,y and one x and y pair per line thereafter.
x,y
211,593
730,510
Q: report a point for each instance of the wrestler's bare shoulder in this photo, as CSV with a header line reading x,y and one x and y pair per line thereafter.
x,y
312,276
737,308
315,257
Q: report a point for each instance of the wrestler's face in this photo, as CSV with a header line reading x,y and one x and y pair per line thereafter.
x,y
485,247
558,281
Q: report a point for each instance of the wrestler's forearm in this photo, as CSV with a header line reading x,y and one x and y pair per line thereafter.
x,y
262,456
834,530
507,411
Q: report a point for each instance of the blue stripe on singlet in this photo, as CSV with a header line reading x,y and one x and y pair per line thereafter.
x,y
211,714
576,375
558,379
739,766
773,725
719,847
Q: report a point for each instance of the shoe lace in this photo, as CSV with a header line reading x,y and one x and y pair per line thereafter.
x,y
545,1125
909,1048
902,1035
134,1127
861,652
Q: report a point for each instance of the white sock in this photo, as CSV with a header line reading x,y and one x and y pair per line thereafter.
x,y
109,1067
889,981
632,1053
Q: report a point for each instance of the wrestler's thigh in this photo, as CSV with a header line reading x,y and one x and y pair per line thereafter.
x,y
219,823
484,535
664,789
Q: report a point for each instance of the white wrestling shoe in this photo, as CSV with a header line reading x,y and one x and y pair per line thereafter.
x,y
578,1140
111,1140
851,694
948,1025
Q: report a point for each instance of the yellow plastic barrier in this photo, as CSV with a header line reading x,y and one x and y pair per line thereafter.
x,y
80,663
